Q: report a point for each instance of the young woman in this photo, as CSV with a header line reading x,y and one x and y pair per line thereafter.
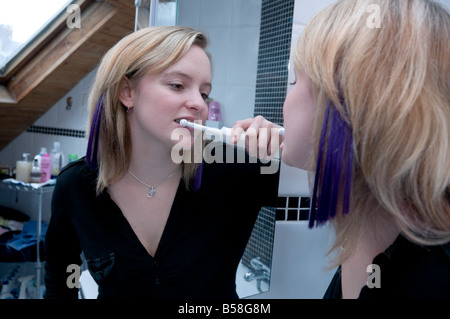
x,y
369,114
148,226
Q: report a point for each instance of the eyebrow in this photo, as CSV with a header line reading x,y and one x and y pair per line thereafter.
x,y
184,75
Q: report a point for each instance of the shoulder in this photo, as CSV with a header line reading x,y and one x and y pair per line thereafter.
x,y
409,270
75,174
430,276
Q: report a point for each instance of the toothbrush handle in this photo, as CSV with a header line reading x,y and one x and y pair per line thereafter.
x,y
226,134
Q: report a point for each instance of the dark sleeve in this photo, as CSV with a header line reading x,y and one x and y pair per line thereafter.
x,y
61,247
268,182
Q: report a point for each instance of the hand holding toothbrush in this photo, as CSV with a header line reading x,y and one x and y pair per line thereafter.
x,y
268,135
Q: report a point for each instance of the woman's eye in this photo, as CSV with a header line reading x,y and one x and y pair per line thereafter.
x,y
176,86
205,96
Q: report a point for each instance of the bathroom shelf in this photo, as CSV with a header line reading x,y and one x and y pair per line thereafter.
x,y
39,190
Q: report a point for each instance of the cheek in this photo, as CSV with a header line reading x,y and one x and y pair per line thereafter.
x,y
204,113
299,119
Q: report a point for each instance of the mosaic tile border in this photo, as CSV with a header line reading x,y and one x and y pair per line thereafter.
x,y
293,208
57,131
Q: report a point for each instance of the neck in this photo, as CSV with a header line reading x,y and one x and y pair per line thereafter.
x,y
378,236
152,164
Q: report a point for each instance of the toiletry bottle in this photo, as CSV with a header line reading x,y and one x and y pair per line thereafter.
x,y
39,156
35,176
23,168
5,292
46,163
72,157
214,115
214,111
57,159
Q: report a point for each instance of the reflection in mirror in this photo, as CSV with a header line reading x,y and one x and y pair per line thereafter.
x,y
155,12
233,29
249,58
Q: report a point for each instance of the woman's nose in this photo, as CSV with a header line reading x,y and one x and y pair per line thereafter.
x,y
197,103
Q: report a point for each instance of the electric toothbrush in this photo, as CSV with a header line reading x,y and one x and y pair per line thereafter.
x,y
225,132
211,133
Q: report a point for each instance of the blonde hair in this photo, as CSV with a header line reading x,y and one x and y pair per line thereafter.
x,y
148,51
395,84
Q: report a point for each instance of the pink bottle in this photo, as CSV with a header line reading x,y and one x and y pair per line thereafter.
x,y
214,111
46,171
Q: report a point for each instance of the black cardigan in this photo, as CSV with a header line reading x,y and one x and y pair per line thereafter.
x,y
407,271
198,254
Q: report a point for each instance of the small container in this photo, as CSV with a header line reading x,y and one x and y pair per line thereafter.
x,y
214,111
72,158
46,164
57,159
39,156
23,168
35,176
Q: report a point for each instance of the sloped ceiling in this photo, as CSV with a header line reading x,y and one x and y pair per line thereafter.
x,y
58,66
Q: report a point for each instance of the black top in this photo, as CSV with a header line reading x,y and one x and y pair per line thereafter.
x,y
200,248
407,271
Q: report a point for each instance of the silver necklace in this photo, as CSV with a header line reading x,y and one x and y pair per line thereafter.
x,y
151,189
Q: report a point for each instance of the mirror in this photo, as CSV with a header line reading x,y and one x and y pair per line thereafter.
x,y
233,29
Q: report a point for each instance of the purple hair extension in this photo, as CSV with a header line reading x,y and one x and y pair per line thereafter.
x,y
333,176
198,178
92,149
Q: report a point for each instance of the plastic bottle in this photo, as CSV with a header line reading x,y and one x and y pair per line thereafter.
x,y
57,159
214,111
23,168
5,292
35,176
72,157
24,287
39,156
46,164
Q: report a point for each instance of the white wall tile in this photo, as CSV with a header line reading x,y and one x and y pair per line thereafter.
x,y
294,182
239,104
189,12
246,13
242,62
215,13
305,9
24,143
218,37
75,117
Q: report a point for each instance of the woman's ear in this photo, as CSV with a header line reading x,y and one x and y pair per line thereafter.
x,y
126,92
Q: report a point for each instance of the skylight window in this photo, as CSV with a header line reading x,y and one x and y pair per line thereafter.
x,y
21,22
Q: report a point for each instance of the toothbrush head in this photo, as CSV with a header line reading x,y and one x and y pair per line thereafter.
x,y
184,123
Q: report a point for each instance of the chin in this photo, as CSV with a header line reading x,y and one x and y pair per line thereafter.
x,y
293,162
